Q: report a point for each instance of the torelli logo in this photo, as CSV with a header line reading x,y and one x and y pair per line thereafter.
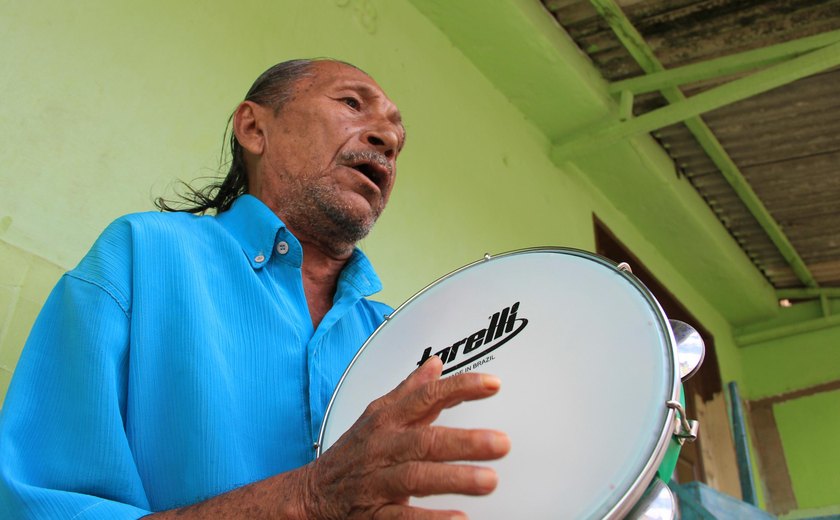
x,y
504,325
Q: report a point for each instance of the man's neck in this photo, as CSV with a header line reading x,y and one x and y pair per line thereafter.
x,y
320,272
323,260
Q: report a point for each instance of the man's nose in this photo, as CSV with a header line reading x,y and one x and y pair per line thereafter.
x,y
384,137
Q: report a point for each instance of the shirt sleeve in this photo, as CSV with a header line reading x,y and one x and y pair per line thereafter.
x,y
64,452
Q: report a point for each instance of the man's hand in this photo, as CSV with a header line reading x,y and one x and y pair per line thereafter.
x,y
392,453
389,455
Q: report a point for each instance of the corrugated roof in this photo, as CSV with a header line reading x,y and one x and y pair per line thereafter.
x,y
785,142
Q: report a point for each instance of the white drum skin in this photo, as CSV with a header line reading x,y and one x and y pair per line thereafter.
x,y
586,358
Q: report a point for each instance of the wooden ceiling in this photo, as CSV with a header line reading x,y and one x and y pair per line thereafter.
x,y
766,156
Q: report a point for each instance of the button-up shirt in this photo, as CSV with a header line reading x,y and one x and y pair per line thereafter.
x,y
176,362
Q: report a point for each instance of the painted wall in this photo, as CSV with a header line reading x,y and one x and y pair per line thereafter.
x,y
113,103
791,363
807,424
25,281
808,428
107,104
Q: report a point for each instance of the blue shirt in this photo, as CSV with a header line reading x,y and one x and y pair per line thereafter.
x,y
176,362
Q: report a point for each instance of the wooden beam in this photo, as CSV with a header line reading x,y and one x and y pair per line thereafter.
x,y
680,110
610,132
783,331
725,66
771,459
807,294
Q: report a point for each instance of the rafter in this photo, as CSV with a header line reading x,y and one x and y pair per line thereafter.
x,y
804,294
683,108
783,331
725,66
688,110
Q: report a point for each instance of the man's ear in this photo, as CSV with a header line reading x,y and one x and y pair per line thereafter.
x,y
248,120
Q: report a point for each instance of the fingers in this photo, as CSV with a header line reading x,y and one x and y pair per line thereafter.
x,y
403,512
428,372
392,452
423,394
418,401
421,479
425,403
439,444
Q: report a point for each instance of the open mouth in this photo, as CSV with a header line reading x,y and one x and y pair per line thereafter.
x,y
370,171
373,165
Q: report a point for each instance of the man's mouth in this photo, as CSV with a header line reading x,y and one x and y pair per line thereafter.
x,y
373,165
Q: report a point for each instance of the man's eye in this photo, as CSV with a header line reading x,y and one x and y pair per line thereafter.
x,y
352,102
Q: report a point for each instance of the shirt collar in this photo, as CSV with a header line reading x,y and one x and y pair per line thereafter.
x,y
254,226
257,229
359,273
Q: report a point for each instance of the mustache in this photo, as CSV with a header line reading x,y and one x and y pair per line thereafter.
x,y
367,156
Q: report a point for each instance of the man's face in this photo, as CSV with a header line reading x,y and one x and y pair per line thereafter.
x,y
330,158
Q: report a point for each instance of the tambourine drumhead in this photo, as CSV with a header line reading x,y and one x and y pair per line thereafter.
x,y
586,359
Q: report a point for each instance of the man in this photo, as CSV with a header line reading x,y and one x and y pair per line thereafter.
x,y
185,365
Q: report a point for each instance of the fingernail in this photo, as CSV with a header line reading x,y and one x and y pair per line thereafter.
x,y
486,479
500,443
490,381
434,360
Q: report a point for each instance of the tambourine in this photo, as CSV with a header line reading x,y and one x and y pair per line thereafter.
x,y
590,376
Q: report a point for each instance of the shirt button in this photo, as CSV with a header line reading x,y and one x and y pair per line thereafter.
x,y
259,259
282,247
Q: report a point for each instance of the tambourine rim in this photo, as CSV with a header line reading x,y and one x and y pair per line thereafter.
x,y
637,488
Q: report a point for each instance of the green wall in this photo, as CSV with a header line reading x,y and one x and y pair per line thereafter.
x,y
106,104
809,430
25,282
808,424
792,362
112,103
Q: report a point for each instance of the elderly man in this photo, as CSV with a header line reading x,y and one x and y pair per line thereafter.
x,y
185,365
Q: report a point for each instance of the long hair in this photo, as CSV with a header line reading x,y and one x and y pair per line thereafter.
x,y
273,88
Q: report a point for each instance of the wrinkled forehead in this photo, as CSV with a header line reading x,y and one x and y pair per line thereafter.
x,y
327,75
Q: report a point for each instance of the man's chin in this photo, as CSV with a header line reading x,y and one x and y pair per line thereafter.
x,y
342,218
358,212
351,227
